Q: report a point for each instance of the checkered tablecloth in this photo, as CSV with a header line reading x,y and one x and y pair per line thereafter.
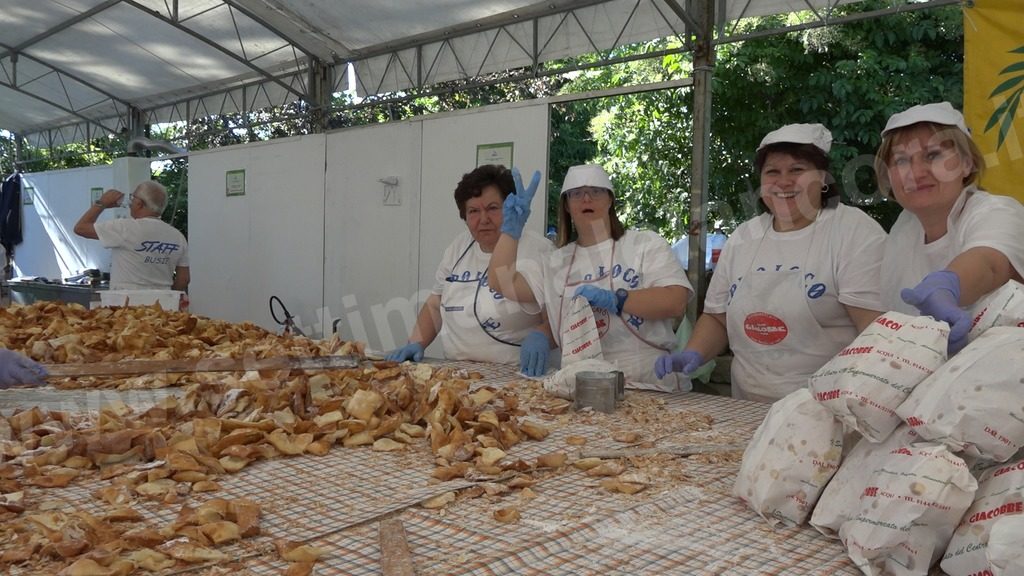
x,y
572,526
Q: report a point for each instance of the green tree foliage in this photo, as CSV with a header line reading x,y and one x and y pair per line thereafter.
x,y
848,77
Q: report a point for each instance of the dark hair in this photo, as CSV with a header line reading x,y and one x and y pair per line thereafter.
x,y
473,183
566,231
810,153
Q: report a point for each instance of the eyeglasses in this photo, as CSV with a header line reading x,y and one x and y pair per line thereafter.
x,y
592,193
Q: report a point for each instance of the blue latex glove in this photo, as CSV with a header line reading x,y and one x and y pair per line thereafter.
x,y
599,297
412,350
938,296
533,354
687,362
16,369
516,208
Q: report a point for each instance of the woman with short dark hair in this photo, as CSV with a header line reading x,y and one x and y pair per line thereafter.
x,y
474,321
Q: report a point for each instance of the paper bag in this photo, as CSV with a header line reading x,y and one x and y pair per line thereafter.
x,y
975,402
791,457
907,514
1000,495
839,502
580,338
1004,306
866,381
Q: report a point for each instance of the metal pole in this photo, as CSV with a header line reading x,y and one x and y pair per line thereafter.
x,y
703,66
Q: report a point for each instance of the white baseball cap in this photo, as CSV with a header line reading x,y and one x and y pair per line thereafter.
x,y
814,134
586,175
937,113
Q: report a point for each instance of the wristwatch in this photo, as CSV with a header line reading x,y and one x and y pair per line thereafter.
x,y
98,203
620,299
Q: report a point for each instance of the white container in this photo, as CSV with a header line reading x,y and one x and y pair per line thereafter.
x,y
168,299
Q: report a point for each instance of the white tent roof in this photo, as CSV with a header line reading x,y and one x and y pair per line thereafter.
x,y
74,69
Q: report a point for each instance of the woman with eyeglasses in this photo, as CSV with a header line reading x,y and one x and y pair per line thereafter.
x,y
953,243
635,286
794,285
474,321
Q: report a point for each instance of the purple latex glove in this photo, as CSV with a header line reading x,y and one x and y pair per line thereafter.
x,y
938,296
599,297
516,208
687,362
533,353
411,351
19,370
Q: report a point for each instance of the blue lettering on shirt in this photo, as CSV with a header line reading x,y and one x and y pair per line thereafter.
x,y
814,290
157,247
629,275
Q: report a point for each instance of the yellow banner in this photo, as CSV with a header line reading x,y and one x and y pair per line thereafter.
x,y
994,88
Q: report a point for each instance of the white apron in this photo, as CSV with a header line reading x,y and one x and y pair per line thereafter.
x,y
776,341
477,323
621,344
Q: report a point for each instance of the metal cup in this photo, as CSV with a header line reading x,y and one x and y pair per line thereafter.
x,y
596,390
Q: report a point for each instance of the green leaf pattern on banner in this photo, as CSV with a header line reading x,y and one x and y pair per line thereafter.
x,y
1005,113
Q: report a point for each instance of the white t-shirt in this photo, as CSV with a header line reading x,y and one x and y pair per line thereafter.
x,y
976,219
640,259
490,331
841,255
853,258
145,252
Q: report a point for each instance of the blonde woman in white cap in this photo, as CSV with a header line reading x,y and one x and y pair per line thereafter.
x,y
953,243
794,285
634,284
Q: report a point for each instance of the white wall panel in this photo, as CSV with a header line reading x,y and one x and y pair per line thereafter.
x,y
51,248
318,228
371,257
449,151
243,249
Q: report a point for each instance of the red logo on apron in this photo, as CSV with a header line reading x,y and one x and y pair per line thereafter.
x,y
765,329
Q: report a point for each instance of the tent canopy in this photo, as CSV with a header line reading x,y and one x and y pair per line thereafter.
x,y
71,70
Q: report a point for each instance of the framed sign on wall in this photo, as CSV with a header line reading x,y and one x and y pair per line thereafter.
x,y
234,183
498,153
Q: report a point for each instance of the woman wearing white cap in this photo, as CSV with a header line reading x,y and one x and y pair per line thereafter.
x,y
794,285
474,321
953,243
634,284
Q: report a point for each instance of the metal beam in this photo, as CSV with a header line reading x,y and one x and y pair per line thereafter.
x,y
683,14
300,33
703,69
67,74
266,24
213,45
59,107
60,27
621,91
482,25
840,20
531,72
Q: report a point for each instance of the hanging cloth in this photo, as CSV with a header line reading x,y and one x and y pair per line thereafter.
x,y
10,212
